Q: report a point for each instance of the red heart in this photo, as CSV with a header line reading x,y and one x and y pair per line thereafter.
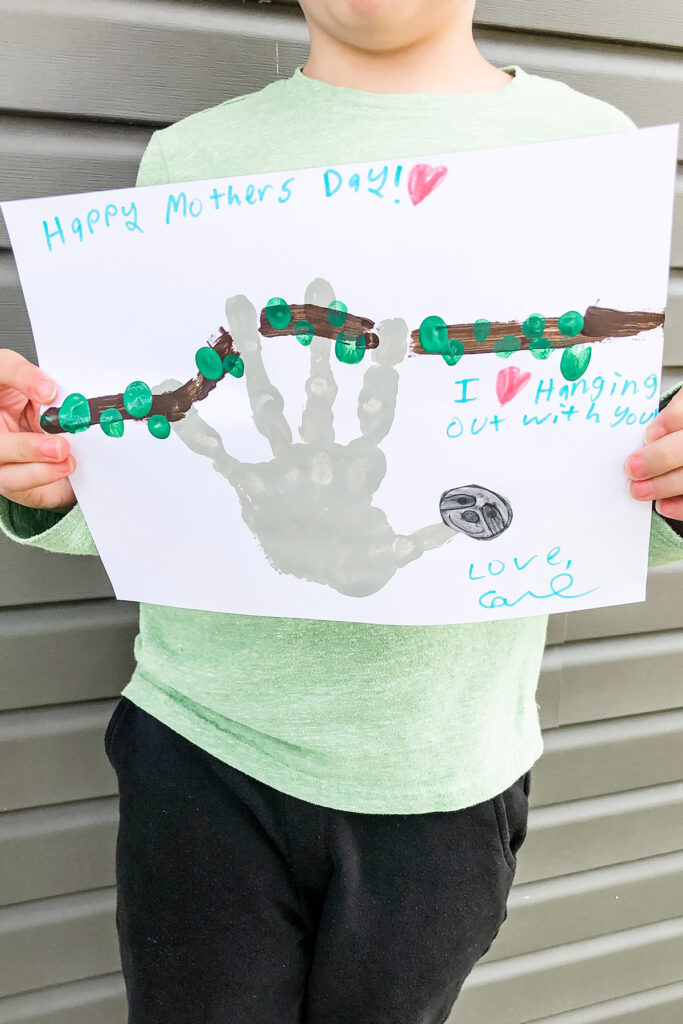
x,y
423,179
510,382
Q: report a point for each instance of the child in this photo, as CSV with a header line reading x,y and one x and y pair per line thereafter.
x,y
319,821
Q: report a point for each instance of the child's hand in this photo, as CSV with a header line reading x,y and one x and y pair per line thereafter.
x,y
656,469
34,466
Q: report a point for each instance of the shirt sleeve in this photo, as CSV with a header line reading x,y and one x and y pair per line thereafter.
x,y
67,532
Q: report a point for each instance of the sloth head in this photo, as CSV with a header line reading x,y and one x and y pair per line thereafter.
x,y
476,511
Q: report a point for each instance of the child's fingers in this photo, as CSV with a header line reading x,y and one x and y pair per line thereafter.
x,y
17,372
16,478
672,508
667,485
23,446
668,420
662,456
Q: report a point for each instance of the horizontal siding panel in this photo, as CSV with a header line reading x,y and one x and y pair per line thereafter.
x,y
589,904
549,688
51,851
663,609
620,676
658,22
163,61
677,235
15,326
88,646
662,1005
581,761
166,61
53,756
48,158
673,330
671,377
95,1001
581,835
521,989
50,942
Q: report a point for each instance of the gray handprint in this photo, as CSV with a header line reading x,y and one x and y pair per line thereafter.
x,y
310,506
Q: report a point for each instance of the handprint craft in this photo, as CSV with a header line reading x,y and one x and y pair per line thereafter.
x,y
311,505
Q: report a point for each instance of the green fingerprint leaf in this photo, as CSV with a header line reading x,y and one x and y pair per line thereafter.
x,y
336,313
433,334
504,347
137,399
481,329
209,363
574,361
74,413
534,326
304,331
159,426
540,348
278,313
570,323
453,351
349,347
111,422
234,365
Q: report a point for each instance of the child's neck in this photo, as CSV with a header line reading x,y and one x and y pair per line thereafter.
x,y
447,63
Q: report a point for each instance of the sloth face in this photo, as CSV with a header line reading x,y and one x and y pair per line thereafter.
x,y
476,511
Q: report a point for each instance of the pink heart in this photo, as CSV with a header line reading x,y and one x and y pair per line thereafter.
x,y
509,382
423,179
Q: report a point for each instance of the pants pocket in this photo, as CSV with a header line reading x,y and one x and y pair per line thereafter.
x,y
113,724
512,814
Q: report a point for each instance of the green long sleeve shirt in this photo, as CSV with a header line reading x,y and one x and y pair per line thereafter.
x,y
359,717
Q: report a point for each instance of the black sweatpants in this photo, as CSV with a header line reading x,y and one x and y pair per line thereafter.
x,y
239,904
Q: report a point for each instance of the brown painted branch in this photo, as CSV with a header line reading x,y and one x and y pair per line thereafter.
x,y
317,316
171,404
600,322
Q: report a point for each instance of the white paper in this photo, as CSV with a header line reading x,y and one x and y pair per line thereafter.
x,y
128,284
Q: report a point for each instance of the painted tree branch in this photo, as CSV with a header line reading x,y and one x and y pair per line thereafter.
x,y
599,323
307,320
171,404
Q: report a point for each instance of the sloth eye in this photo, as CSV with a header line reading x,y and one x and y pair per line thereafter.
x,y
465,499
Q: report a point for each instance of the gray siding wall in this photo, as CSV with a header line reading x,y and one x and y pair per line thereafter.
x,y
595,924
